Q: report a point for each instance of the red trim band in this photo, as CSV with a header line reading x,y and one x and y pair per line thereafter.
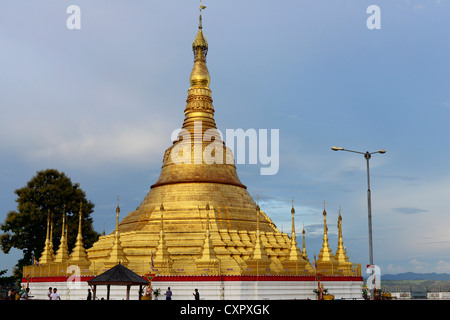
x,y
54,279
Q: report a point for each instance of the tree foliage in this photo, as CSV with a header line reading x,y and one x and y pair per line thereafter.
x,y
48,193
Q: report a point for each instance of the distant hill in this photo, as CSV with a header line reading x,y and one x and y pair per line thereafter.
x,y
416,276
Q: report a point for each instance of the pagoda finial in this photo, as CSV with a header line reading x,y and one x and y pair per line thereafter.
x,y
257,218
80,214
117,216
293,223
200,17
47,236
200,45
51,233
304,244
293,254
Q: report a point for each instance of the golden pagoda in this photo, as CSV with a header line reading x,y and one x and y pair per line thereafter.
x,y
198,217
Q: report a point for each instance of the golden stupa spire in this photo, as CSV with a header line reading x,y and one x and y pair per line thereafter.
x,y
293,223
79,254
325,228
304,254
257,213
259,260
51,236
47,254
63,252
294,252
162,261
208,261
199,144
117,255
117,217
341,257
199,102
80,218
294,262
326,262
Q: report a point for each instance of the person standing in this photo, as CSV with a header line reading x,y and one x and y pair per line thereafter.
x,y
55,295
196,294
168,294
49,293
89,296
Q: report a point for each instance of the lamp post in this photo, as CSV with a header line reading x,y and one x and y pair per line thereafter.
x,y
367,156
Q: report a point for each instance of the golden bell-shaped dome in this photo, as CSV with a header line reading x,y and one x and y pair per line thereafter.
x,y
199,75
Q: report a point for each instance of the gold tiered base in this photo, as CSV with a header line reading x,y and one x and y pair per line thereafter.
x,y
232,225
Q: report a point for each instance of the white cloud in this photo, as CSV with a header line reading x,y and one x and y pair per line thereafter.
x,y
419,266
392,269
442,266
86,144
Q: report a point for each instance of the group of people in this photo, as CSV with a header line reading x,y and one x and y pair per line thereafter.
x,y
53,295
22,294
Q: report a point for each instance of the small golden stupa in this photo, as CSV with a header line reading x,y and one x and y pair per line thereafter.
x,y
198,218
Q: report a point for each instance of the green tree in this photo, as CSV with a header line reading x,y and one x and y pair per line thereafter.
x,y
6,281
48,192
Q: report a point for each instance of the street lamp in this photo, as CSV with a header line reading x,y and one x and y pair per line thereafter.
x,y
367,155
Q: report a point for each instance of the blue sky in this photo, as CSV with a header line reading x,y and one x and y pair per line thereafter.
x,y
100,104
